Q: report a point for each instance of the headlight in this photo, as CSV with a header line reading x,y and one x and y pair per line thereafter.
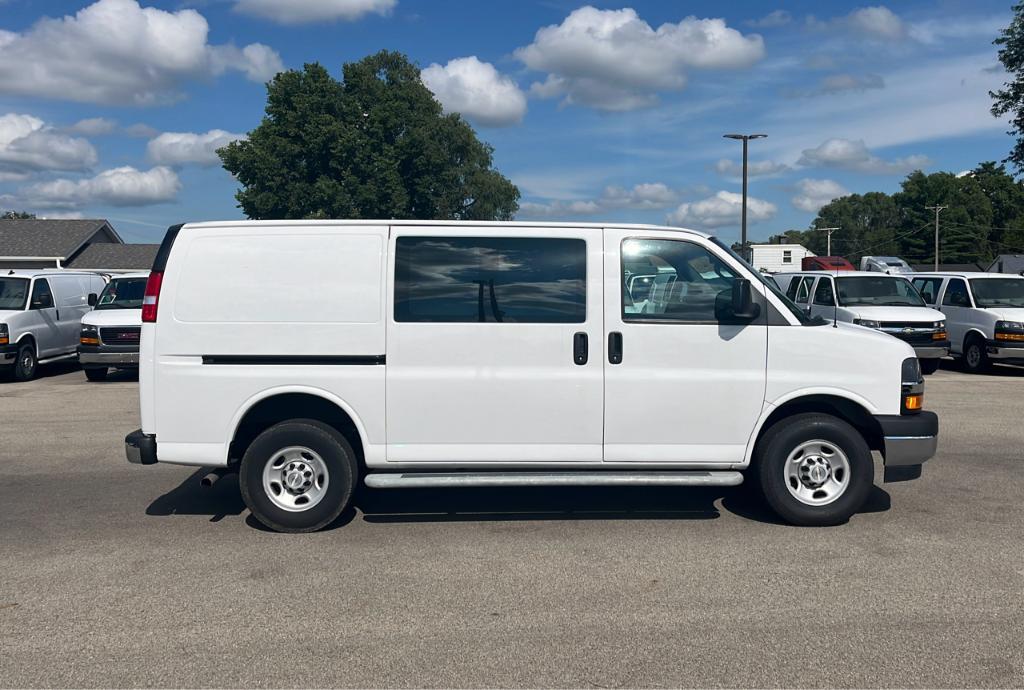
x,y
867,323
5,335
90,335
1010,330
941,325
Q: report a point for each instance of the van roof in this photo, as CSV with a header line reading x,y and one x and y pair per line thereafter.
x,y
441,223
35,272
848,274
964,274
135,274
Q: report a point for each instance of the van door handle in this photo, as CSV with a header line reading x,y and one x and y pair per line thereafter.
x,y
580,348
58,314
615,347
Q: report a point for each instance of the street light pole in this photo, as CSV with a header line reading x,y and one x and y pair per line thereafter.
x,y
743,221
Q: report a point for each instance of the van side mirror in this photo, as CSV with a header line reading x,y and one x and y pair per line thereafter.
x,y
737,305
93,299
43,301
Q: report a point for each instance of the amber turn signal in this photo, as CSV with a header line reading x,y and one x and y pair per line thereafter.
x,y
90,341
913,402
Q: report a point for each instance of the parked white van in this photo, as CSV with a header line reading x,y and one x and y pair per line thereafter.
x,y
40,313
985,315
887,303
310,355
110,333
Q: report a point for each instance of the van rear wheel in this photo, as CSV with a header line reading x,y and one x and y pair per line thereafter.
x,y
298,476
814,469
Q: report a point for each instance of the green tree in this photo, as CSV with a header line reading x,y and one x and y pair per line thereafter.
x,y
16,215
867,224
374,145
1009,100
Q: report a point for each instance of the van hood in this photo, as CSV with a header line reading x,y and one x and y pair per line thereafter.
x,y
912,314
113,317
1001,313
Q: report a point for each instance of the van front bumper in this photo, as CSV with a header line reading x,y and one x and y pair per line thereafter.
x,y
1005,352
140,448
937,350
909,439
90,356
8,353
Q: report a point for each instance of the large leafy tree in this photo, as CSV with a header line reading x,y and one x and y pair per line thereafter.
x,y
1009,100
16,215
374,145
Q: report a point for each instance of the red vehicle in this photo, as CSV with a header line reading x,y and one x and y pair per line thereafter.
x,y
825,263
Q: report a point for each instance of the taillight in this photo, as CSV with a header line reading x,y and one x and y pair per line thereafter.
x,y
151,298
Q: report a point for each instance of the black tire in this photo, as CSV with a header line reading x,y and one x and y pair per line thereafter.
x,y
26,364
336,454
975,358
783,438
929,366
97,374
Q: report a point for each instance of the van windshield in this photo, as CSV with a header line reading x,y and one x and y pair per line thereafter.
x,y
998,292
880,291
13,292
770,284
123,293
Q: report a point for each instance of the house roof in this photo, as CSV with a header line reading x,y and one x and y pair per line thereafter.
x,y
115,257
38,237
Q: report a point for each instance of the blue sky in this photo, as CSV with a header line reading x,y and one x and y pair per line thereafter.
x,y
608,111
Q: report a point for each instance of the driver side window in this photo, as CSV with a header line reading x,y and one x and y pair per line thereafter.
x,y
956,294
823,295
672,280
42,298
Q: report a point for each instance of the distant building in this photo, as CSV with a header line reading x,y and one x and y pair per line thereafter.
x,y
80,244
1008,263
777,258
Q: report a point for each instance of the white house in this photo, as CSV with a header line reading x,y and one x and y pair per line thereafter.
x,y
775,258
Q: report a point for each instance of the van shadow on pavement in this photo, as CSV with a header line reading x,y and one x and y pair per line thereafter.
x,y
501,504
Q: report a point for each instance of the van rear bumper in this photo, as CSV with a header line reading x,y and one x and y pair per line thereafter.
x,y
909,439
140,448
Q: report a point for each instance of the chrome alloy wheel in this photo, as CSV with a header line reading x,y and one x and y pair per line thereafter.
x,y
295,479
817,472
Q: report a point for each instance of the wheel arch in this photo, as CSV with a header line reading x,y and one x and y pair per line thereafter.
x,y
28,337
854,411
276,405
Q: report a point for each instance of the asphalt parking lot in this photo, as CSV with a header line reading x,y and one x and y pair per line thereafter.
x,y
120,575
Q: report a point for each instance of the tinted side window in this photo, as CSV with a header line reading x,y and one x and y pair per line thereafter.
x,y
956,294
41,290
823,294
803,291
794,283
490,279
929,288
672,280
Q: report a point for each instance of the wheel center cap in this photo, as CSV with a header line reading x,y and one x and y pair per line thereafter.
x,y
294,480
817,473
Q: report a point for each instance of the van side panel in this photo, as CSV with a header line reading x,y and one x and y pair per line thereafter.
x,y
236,321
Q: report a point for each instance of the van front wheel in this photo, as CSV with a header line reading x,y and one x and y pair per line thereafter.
x,y
298,476
814,469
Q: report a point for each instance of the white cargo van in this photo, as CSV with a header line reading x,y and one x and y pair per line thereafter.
x,y
985,315
311,355
110,333
40,313
885,264
885,302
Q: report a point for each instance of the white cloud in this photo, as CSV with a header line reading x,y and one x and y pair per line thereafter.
x,y
476,90
123,186
847,154
838,83
766,168
310,11
93,126
724,208
875,22
934,31
813,194
141,131
645,196
772,20
28,145
179,148
613,60
116,52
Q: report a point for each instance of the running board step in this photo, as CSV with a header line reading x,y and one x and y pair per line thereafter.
x,y
424,480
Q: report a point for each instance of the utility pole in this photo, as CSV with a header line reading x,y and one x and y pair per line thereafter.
x,y
743,231
829,231
937,209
